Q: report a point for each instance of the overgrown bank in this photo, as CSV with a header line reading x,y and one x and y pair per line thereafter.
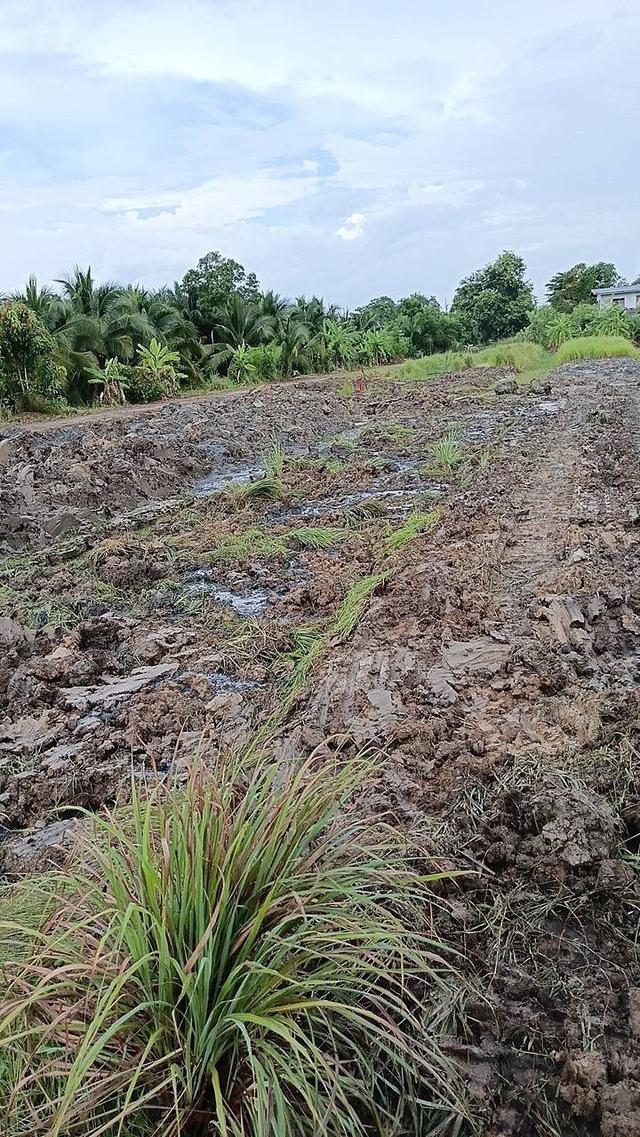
x,y
83,343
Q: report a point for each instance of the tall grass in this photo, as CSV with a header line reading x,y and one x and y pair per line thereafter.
x,y
596,347
242,956
521,356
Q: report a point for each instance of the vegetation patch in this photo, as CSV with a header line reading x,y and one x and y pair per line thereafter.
x,y
313,537
416,525
596,347
447,454
239,955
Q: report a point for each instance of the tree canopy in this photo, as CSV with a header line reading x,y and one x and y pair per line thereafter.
x,y
87,340
27,363
574,286
213,282
495,301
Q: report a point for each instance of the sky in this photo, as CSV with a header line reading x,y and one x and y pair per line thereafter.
x,y
347,148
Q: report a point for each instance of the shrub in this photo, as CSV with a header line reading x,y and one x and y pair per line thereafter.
x,y
596,347
155,375
265,361
610,322
27,364
634,328
582,317
237,957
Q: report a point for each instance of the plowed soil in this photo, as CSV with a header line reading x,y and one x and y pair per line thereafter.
x,y
477,626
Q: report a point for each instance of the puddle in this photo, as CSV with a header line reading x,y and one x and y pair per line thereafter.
x,y
398,501
252,603
222,683
221,479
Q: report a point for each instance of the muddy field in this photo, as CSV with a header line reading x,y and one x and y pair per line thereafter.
x,y
474,620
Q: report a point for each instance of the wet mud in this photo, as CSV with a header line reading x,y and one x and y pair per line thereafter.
x,y
490,659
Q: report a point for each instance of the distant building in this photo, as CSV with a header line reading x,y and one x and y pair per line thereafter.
x,y
625,296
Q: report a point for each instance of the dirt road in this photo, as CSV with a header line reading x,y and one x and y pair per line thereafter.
x,y
477,624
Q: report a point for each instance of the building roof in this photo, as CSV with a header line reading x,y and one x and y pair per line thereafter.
x,y
617,290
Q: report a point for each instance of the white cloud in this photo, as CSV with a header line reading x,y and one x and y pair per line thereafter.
x,y
353,227
138,136
217,203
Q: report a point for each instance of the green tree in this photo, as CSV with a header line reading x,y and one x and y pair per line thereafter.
x,y
27,354
417,302
427,328
212,284
496,301
574,286
293,340
375,315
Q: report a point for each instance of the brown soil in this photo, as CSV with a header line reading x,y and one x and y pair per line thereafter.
x,y
494,670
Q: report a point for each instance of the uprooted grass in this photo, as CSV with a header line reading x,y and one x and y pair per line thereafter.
x,y
19,604
240,956
596,347
416,525
315,537
355,602
262,489
233,548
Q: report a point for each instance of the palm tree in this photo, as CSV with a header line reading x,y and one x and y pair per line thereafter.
x,y
335,345
240,326
43,301
313,312
272,305
89,323
293,338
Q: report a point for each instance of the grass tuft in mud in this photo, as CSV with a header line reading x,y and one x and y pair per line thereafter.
x,y
240,956
416,525
355,603
312,537
447,454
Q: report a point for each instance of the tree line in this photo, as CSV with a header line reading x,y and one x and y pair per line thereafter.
x,y
85,341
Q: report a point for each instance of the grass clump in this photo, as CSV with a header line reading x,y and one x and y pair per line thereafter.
x,y
596,347
416,525
440,363
240,956
521,356
354,604
270,487
274,462
364,510
263,489
236,548
447,454
314,537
